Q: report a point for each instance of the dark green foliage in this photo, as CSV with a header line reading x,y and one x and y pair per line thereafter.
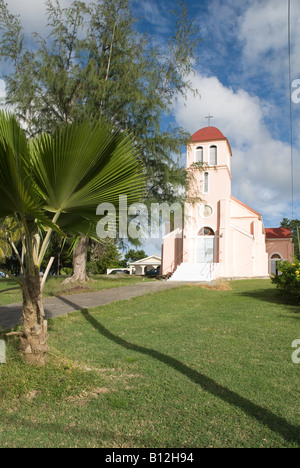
x,y
102,256
288,281
294,226
61,249
134,255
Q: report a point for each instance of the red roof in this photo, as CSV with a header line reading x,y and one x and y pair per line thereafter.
x,y
278,233
207,134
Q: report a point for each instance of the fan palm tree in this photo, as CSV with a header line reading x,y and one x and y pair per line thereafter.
x,y
55,183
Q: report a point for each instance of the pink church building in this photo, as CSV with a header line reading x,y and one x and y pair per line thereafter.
x,y
221,237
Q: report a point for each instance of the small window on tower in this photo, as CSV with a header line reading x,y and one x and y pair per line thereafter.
x,y
213,156
199,155
205,182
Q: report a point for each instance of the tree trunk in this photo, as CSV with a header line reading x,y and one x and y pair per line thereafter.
x,y
79,261
34,336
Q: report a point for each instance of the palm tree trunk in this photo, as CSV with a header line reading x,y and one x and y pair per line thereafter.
x,y
79,261
34,335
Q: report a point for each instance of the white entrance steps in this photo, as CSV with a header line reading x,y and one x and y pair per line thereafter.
x,y
195,272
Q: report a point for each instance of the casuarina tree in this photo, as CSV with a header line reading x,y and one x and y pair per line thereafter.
x,y
93,60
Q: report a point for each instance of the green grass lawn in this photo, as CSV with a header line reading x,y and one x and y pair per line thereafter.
x,y
189,367
10,292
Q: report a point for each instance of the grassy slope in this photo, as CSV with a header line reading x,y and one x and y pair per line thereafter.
x,y
184,368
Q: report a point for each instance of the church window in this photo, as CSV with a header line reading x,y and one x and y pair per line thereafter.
x,y
206,231
213,156
199,155
205,182
207,211
276,257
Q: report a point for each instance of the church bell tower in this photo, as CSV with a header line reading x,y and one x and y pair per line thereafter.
x,y
209,190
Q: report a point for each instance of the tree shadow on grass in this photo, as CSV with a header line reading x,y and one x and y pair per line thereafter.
x,y
277,424
291,304
10,289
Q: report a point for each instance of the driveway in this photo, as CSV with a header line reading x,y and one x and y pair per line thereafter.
x,y
11,315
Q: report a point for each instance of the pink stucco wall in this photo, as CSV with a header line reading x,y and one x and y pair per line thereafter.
x,y
172,251
283,247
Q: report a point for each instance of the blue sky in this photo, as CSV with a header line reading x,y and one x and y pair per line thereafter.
x,y
242,77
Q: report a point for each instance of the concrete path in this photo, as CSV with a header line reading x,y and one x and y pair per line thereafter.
x,y
10,315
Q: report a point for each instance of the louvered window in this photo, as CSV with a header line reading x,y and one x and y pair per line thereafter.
x,y
199,155
213,156
205,182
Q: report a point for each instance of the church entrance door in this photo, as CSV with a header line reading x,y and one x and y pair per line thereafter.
x,y
205,246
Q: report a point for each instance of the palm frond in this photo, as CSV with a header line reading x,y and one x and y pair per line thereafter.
x,y
84,165
18,193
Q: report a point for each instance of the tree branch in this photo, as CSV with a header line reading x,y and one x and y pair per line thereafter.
x,y
16,251
47,240
110,49
50,263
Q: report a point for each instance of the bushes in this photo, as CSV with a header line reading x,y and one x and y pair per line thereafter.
x,y
288,281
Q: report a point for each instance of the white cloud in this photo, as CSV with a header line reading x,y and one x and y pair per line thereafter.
x,y
263,29
155,14
33,13
246,112
261,167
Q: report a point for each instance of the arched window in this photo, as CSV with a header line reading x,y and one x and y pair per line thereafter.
x,y
205,182
213,156
206,231
199,154
274,259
